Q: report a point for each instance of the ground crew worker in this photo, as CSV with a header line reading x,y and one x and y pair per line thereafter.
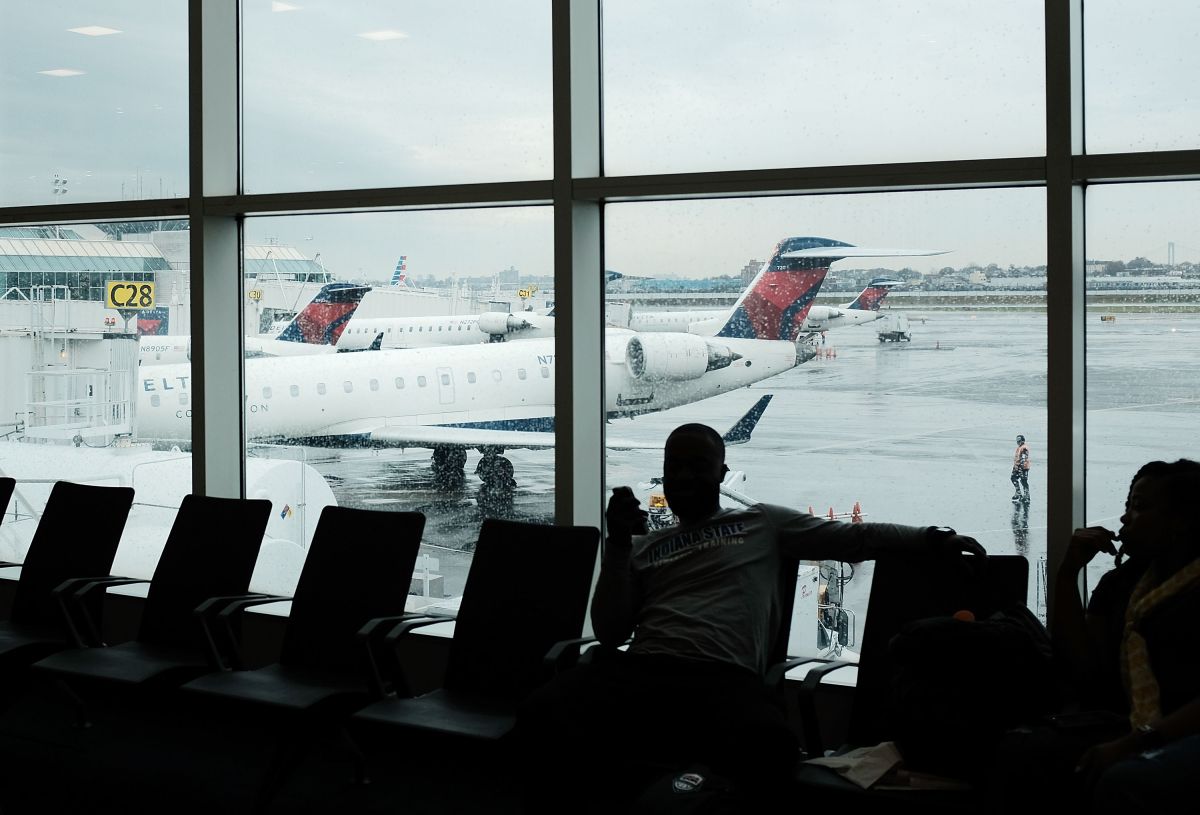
x,y
1020,471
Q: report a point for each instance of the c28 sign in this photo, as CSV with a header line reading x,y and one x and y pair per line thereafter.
x,y
129,294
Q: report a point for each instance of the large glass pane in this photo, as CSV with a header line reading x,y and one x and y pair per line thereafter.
x,y
83,370
1143,332
1140,65
906,414
372,93
101,90
748,84
441,399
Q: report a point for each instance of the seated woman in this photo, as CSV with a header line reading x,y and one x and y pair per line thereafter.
x,y
1132,654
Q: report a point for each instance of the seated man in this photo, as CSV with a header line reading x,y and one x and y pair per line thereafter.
x,y
702,602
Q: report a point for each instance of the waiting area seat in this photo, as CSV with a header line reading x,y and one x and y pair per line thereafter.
x,y
502,633
75,540
903,590
209,552
355,580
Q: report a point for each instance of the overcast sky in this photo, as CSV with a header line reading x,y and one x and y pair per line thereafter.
x,y
445,92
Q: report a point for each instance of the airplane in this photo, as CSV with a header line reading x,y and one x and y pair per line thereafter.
x,y
496,395
865,307
314,330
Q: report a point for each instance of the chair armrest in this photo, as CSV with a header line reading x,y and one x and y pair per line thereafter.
x,y
806,704
369,636
71,594
391,642
226,606
556,658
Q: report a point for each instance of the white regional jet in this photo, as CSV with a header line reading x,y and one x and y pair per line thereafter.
x,y
493,396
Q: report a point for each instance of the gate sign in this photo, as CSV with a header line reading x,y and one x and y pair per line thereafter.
x,y
129,295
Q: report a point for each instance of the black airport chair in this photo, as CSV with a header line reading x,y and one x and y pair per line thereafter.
x,y
356,578
210,552
76,539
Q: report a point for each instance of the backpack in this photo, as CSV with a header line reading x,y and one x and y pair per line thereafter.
x,y
957,685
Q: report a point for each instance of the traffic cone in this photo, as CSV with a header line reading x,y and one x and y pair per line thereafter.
x,y
856,515
831,513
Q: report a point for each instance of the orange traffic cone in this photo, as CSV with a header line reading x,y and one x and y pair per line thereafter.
x,y
831,513
856,515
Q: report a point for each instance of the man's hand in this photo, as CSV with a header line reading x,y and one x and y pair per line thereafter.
x,y
945,541
625,515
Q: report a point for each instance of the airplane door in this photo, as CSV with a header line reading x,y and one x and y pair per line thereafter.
x,y
445,383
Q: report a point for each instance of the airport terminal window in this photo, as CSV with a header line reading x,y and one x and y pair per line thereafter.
x,y
675,96
1139,68
1142,319
904,414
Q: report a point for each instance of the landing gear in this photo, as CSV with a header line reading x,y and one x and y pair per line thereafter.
x,y
495,496
447,465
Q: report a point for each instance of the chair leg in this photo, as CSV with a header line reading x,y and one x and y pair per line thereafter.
x,y
82,719
357,756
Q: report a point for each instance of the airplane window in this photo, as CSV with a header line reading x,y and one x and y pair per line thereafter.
x,y
267,392
439,328
445,379
520,373
421,381
496,375
294,390
348,386
154,400
374,384
420,328
321,388
410,329
545,372
470,377
399,383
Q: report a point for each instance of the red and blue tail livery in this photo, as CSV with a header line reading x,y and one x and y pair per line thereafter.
x,y
872,296
323,320
774,306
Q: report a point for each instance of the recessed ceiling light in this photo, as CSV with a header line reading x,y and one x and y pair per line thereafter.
x,y
380,36
95,30
62,72
277,6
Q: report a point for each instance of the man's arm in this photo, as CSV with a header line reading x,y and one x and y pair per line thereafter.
x,y
807,537
616,603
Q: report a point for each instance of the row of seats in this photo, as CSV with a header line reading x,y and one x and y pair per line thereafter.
x,y
338,667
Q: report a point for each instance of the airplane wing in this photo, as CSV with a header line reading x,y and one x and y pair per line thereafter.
x,y
435,435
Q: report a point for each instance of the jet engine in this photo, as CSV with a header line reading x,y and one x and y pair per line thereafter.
x,y
674,357
498,322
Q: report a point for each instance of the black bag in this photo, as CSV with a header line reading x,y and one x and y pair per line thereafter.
x,y
958,685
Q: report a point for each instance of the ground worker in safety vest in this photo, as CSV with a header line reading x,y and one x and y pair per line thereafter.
x,y
1020,471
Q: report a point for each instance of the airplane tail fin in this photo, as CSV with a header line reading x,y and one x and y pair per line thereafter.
x,y
322,321
741,430
774,305
400,275
872,296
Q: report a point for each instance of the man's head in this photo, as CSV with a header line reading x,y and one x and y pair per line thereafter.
x,y
693,467
1020,439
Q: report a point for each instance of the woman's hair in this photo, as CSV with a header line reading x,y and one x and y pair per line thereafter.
x,y
1179,482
